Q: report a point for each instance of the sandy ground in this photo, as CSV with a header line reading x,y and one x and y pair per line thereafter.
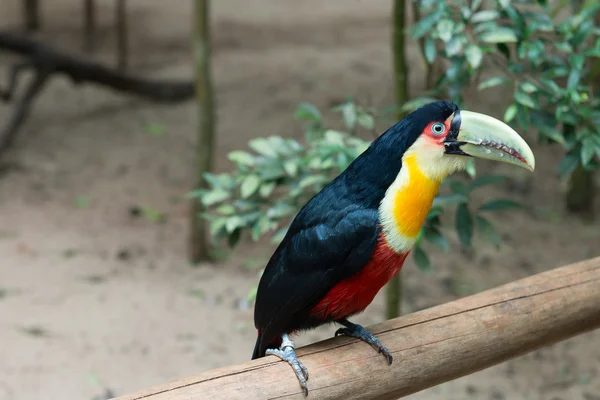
x,y
93,299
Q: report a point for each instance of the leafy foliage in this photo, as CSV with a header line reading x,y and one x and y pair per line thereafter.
x,y
550,63
272,182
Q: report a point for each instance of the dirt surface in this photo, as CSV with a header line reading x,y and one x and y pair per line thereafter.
x,y
95,299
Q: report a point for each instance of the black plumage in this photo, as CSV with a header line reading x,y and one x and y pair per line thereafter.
x,y
335,233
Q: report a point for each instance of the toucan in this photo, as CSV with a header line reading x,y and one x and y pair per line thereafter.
x,y
354,235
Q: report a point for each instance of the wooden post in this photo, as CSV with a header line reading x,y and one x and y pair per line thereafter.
x,y
429,347
89,21
199,241
122,36
31,15
393,289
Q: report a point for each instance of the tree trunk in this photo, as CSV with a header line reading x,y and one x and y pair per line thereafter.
x,y
199,243
394,287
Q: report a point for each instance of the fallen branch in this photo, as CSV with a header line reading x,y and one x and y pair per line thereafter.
x,y
429,347
80,70
46,61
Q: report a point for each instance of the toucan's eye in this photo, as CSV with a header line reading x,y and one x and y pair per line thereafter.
x,y
438,128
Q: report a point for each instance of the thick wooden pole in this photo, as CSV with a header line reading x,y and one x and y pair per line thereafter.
x,y
429,347
199,243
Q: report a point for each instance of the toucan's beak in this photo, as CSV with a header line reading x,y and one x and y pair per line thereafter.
x,y
482,136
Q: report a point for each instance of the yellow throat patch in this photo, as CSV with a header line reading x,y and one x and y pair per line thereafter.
x,y
413,200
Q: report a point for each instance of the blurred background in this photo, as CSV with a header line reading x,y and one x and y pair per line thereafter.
x,y
108,281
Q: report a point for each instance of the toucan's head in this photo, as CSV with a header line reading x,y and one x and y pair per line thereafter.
x,y
441,137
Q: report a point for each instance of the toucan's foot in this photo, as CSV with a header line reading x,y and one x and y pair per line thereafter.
x,y
358,332
286,352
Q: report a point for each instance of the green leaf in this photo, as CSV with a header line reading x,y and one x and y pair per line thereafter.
x,y
307,111
249,186
485,15
510,113
252,294
471,170
568,164
525,99
214,196
262,146
458,187
241,157
426,24
429,50
588,149
413,104
313,179
212,179
365,120
349,115
266,189
474,55
488,231
278,236
154,129
573,79
226,209
487,180
434,237
553,134
500,205
528,87
280,210
435,212
493,81
82,201
421,259
233,223
454,46
500,35
291,167
464,224
334,137
449,200
217,225
444,29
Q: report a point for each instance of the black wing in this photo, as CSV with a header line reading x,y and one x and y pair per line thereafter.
x,y
320,249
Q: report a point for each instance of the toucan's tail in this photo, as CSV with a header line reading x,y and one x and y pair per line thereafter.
x,y
256,354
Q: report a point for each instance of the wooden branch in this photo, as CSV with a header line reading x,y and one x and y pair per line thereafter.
x,y
430,347
80,70
46,61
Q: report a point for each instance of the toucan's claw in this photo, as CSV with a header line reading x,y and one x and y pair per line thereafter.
x,y
358,332
287,353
